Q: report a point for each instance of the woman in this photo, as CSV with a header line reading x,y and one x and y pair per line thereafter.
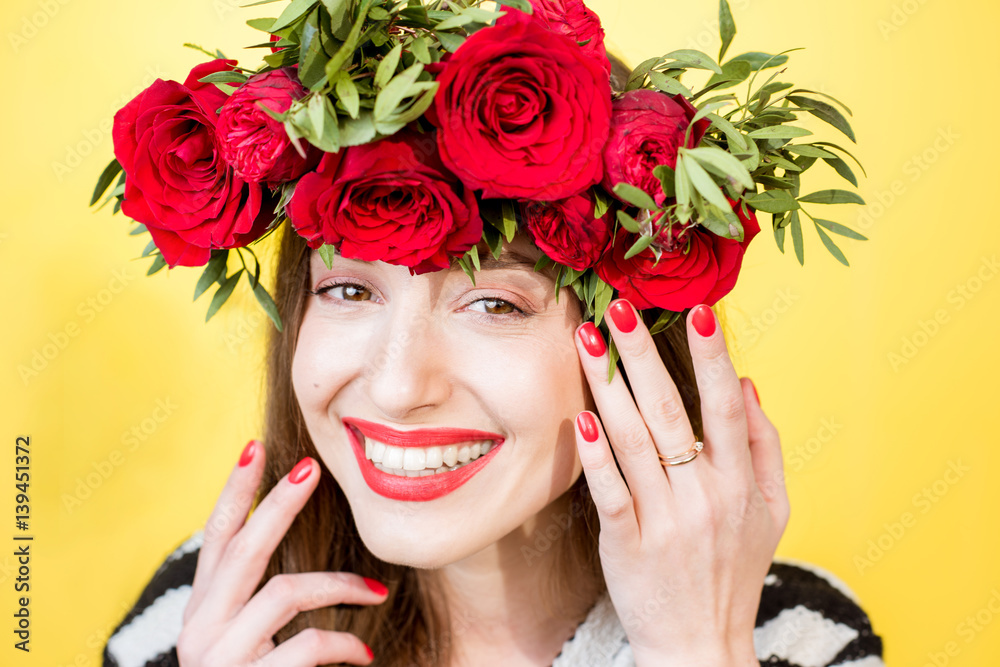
x,y
503,566
448,477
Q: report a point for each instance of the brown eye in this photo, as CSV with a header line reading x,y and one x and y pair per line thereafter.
x,y
352,291
494,307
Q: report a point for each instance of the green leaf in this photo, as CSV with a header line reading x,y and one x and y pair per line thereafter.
x,y
841,168
779,238
139,229
842,150
832,197
796,226
667,177
542,262
267,303
347,93
387,66
357,131
635,196
816,92
669,84
613,357
639,245
222,294
215,268
725,163
727,28
831,246
692,58
627,221
522,5
450,41
224,77
639,73
808,150
704,184
327,252
456,21
346,50
603,293
509,219
779,132
664,321
682,185
773,201
396,90
294,11
760,60
495,241
148,250
733,73
105,179
838,228
420,50
825,112
264,24
158,263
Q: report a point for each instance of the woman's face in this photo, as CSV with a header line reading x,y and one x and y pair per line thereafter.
x,y
381,349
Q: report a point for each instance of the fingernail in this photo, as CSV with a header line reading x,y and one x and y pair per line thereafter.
x,y
587,425
247,456
591,339
755,394
370,654
703,320
376,586
623,315
301,470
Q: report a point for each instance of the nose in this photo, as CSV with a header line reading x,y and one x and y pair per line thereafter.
x,y
406,367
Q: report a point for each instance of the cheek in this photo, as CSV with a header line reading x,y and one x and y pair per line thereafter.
x,y
319,369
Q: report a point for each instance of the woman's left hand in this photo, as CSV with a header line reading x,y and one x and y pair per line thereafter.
x,y
684,549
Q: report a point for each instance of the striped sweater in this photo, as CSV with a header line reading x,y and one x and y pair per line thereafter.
x,y
807,618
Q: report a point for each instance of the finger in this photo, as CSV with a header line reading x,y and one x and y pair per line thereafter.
x,y
313,647
624,425
607,488
722,410
765,454
245,558
654,390
227,517
285,595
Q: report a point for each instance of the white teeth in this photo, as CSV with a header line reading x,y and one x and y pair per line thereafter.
x,y
414,458
422,461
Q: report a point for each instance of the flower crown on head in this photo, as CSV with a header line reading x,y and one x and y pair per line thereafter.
x,y
407,133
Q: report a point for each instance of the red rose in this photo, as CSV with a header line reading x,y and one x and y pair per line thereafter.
x,y
254,143
647,128
524,112
175,182
575,20
704,275
390,200
567,231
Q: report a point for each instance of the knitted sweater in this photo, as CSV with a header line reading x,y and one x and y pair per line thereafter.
x,y
807,618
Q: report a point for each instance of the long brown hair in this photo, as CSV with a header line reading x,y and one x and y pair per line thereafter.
x,y
410,629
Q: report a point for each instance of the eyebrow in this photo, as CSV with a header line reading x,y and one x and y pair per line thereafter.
x,y
509,259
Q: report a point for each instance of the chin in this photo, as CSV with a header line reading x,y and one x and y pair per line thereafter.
x,y
417,545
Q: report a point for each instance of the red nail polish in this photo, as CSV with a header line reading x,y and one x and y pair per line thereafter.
x,y
591,339
376,586
370,654
755,394
247,456
301,470
703,320
587,425
623,315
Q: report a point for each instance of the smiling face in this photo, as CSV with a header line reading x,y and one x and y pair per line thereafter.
x,y
381,348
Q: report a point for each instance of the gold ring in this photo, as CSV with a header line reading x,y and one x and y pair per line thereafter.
x,y
678,459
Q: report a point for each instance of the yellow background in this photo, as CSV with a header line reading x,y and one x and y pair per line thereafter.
x,y
863,432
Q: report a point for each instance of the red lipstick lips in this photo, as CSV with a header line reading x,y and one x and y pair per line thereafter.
x,y
424,488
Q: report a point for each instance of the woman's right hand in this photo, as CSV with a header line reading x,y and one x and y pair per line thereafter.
x,y
225,624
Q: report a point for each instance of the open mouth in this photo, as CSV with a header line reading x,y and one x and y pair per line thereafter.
x,y
418,473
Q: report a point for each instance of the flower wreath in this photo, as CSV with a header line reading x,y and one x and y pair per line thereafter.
x,y
407,132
